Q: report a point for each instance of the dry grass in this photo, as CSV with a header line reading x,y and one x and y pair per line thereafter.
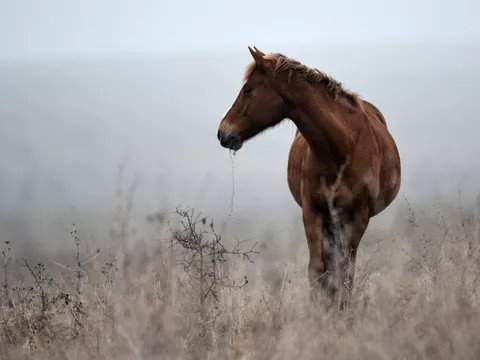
x,y
416,296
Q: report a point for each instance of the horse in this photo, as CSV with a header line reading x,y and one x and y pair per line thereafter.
x,y
343,166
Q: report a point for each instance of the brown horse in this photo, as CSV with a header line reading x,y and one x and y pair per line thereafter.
x,y
343,166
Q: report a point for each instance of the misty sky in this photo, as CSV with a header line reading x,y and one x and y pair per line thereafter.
x,y
51,28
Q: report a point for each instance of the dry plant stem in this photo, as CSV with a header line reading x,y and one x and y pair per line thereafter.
x,y
41,283
7,258
203,254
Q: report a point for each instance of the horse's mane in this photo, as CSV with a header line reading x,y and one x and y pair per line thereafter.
x,y
313,76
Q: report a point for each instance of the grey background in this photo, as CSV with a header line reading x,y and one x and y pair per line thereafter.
x,y
87,85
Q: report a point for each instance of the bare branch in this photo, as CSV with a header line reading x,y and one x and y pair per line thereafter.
x,y
203,252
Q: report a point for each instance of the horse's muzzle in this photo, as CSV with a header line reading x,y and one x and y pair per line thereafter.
x,y
229,140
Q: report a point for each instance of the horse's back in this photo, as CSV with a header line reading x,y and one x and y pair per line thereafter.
x,y
373,112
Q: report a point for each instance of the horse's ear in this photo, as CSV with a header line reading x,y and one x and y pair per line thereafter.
x,y
258,51
257,56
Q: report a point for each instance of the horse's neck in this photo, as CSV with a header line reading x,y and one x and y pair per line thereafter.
x,y
323,123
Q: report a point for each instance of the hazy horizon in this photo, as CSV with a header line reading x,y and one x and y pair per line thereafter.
x,y
85,87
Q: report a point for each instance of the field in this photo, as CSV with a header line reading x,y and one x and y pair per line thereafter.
x,y
189,293
129,231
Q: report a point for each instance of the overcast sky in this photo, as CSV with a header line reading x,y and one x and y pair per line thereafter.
x,y
50,28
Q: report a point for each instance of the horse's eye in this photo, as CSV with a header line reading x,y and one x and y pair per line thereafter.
x,y
247,91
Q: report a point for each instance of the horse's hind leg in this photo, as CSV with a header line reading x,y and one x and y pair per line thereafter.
x,y
332,244
320,266
348,232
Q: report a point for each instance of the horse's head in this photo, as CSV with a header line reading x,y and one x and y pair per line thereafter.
x,y
257,107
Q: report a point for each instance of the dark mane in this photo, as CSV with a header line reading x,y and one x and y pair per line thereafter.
x,y
313,76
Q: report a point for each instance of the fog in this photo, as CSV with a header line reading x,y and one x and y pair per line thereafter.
x,y
74,106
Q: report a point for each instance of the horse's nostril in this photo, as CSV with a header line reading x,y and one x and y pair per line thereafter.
x,y
225,139
229,140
